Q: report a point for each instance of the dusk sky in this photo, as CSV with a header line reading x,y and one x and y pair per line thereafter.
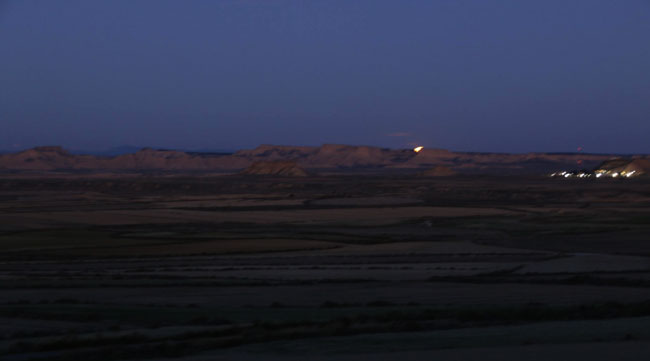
x,y
473,75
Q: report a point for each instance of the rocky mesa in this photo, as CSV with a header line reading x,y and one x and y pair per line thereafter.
x,y
303,158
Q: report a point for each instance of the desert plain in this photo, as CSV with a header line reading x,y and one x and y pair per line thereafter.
x,y
344,266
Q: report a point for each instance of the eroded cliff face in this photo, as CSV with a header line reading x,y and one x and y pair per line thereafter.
x,y
328,156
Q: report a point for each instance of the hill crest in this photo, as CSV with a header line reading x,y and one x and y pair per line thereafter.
x,y
327,156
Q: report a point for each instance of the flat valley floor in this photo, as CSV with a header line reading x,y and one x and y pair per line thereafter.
x,y
340,267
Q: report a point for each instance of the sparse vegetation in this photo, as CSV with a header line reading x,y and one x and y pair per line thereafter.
x,y
171,271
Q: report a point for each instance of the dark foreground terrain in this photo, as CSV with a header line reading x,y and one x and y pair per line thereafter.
x,y
318,268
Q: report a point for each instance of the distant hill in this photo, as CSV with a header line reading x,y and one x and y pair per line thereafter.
x,y
126,149
328,156
278,168
638,165
110,152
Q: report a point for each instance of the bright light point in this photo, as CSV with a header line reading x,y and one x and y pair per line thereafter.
x,y
417,149
567,175
598,175
614,175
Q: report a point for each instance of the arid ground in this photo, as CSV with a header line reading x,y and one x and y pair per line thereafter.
x,y
345,267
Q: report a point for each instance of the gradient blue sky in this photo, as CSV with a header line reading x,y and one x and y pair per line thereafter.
x,y
472,75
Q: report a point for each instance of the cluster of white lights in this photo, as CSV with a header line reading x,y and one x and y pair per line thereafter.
x,y
599,173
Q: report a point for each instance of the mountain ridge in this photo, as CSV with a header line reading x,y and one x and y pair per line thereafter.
x,y
326,156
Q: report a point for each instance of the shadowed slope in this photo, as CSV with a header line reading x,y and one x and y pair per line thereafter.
x,y
278,168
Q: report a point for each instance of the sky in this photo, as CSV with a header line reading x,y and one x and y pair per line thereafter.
x,y
465,75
